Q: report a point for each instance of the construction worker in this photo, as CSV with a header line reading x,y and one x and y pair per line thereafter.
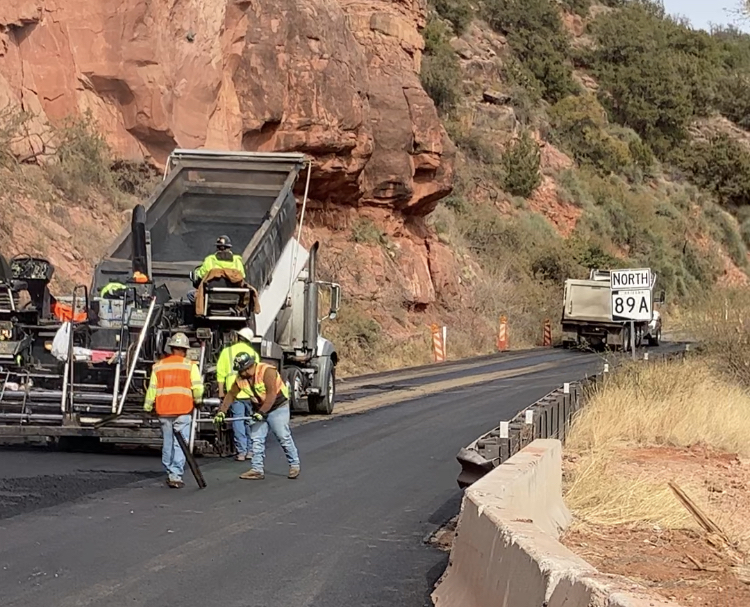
x,y
175,388
223,258
225,376
113,290
268,406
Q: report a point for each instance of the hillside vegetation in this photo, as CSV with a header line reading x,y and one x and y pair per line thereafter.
x,y
590,135
640,121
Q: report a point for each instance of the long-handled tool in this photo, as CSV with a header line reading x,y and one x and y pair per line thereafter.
x,y
190,460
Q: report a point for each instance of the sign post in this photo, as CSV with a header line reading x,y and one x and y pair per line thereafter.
x,y
632,298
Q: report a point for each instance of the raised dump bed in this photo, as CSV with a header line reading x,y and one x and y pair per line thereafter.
x,y
247,196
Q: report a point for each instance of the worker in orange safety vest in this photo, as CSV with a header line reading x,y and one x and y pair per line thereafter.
x,y
176,387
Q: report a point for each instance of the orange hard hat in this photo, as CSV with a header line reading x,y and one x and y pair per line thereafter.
x,y
140,277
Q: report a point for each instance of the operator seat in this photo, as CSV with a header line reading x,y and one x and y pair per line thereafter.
x,y
223,300
14,295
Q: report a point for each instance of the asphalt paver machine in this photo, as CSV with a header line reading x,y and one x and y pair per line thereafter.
x,y
80,368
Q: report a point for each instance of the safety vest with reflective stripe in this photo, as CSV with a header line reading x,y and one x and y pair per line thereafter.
x,y
212,262
225,373
176,385
259,387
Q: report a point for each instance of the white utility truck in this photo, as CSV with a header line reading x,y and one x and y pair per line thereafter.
x,y
611,308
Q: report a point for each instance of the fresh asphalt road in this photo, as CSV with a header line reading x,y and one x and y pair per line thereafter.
x,y
94,529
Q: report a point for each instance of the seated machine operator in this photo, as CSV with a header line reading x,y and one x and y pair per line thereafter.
x,y
223,258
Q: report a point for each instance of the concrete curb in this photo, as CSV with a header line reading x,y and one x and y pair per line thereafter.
x,y
506,552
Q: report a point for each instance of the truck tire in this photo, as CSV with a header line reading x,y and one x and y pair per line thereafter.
x,y
322,404
655,340
293,376
626,337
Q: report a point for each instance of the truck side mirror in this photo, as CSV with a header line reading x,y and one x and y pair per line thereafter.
x,y
335,301
661,297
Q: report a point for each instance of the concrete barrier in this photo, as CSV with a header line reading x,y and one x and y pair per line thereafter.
x,y
506,552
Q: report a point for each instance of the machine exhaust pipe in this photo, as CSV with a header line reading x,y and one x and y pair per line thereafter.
x,y
139,239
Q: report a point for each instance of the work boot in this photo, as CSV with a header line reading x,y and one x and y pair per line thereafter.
x,y
175,484
293,472
253,475
240,457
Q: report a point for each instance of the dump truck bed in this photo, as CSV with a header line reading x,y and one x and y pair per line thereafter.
x,y
244,195
587,301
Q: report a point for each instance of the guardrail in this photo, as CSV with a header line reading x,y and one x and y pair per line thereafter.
x,y
549,417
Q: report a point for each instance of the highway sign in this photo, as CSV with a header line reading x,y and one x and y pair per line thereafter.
x,y
631,304
630,279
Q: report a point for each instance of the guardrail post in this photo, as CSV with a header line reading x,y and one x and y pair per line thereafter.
x,y
504,442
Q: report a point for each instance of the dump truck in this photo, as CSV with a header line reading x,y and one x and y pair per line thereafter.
x,y
587,316
78,367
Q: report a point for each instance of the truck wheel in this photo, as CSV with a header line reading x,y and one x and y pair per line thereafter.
x,y
295,380
322,404
625,333
654,340
638,337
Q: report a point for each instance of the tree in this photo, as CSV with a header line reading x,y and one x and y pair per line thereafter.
x,y
535,32
521,163
720,165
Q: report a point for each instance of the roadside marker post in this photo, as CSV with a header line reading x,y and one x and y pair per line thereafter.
x,y
438,343
547,336
502,334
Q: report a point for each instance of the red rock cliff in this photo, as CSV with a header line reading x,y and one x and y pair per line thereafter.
x,y
337,79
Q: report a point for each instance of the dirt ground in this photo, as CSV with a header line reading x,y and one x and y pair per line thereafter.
x,y
687,565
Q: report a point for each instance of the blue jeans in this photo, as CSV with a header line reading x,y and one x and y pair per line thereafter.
x,y
241,429
278,421
171,453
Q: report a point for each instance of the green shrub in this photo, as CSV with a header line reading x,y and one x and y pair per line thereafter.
x,y
720,165
724,230
474,144
579,7
733,98
655,74
441,72
521,166
535,32
458,12
364,231
11,121
82,159
580,123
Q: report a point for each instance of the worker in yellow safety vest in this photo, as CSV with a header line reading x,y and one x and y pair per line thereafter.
x,y
225,377
223,258
176,387
268,407
113,290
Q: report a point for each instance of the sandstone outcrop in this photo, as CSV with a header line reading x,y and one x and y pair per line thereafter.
x,y
337,79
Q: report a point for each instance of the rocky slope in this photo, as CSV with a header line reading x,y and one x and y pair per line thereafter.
x,y
336,79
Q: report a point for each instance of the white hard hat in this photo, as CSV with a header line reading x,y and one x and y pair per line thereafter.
x,y
179,340
246,333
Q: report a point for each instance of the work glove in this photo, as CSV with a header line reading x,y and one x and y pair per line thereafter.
x,y
148,407
259,417
219,418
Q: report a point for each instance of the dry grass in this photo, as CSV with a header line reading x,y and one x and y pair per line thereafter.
x,y
677,404
674,403
599,496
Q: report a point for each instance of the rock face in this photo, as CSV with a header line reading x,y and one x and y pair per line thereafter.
x,y
337,79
